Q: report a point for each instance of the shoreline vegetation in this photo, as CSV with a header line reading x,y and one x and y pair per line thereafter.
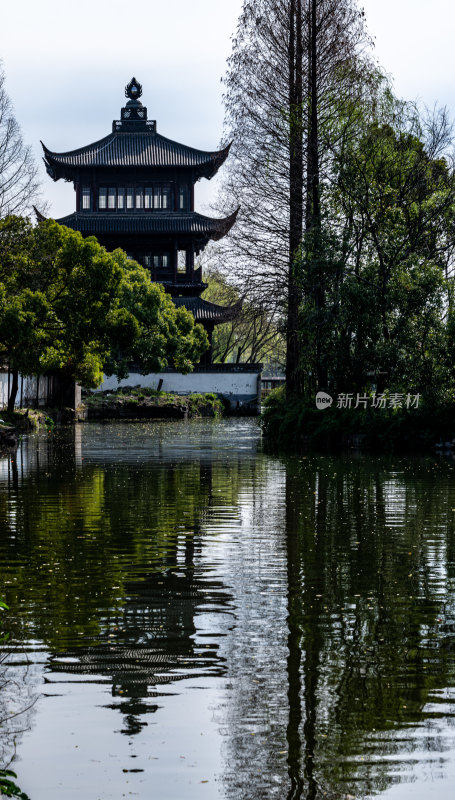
x,y
142,403
127,403
293,425
13,424
296,424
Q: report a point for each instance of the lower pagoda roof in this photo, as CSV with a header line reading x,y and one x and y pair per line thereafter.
x,y
190,223
204,311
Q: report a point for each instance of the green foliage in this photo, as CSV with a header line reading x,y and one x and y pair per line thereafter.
x,y
67,304
376,284
57,293
198,405
297,423
205,405
8,787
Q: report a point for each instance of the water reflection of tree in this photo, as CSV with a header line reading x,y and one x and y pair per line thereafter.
x,y
103,562
18,695
342,572
369,553
373,585
71,538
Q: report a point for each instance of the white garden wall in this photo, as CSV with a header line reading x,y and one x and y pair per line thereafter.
x,y
240,384
26,391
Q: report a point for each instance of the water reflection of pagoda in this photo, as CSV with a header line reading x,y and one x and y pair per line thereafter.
x,y
135,190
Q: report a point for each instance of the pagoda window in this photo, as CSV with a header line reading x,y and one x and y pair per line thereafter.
x,y
183,199
161,260
139,198
102,198
154,197
130,198
147,261
86,198
148,197
121,199
111,198
166,198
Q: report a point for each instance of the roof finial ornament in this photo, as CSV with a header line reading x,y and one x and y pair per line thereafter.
x,y
133,90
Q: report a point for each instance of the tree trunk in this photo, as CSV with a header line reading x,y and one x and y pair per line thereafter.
x,y
313,206
294,374
13,390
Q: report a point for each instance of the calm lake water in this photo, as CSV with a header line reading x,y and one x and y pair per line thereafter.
x,y
194,618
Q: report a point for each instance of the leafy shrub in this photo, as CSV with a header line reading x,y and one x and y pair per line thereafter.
x,y
296,423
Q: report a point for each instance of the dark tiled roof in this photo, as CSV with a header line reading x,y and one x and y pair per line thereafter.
x,y
134,150
183,286
149,223
202,310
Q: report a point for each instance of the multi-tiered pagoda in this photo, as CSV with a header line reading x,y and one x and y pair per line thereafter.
x,y
135,190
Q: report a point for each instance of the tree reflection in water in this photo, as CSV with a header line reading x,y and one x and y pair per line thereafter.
x,y
369,557
327,585
109,579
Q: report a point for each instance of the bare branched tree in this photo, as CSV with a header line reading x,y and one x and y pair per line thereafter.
x,y
294,64
252,335
19,184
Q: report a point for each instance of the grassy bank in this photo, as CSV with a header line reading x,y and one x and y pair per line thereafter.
x,y
142,403
299,425
25,419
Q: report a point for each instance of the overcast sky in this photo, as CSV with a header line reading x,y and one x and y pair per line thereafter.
x,y
67,64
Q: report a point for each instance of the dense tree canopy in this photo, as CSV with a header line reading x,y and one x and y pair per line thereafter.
x,y
388,254
347,202
67,304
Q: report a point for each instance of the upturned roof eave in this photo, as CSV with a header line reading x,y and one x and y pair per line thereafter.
x,y
193,224
204,310
63,164
226,223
